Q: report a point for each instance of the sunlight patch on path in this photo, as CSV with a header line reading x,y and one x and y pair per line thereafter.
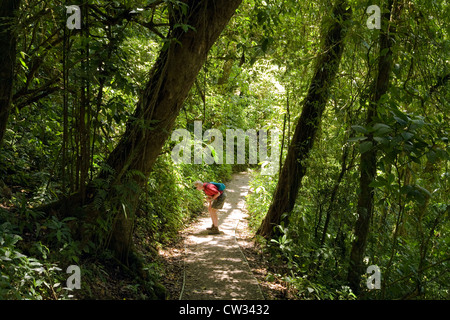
x,y
215,265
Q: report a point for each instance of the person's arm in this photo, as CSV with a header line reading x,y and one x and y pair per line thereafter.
x,y
216,195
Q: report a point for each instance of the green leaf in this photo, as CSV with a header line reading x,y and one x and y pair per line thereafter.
x,y
355,139
381,140
401,121
384,52
424,190
407,135
365,146
390,178
431,156
381,129
360,129
23,63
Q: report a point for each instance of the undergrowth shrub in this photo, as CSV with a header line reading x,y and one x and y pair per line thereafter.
x,y
25,277
310,271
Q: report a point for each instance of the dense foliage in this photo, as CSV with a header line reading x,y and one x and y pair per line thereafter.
x,y
409,230
75,90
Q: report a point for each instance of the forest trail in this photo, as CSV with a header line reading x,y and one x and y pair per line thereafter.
x,y
215,267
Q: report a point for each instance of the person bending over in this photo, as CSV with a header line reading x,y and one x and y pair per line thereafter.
x,y
216,199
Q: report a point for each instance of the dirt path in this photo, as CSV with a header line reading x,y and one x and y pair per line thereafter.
x,y
215,267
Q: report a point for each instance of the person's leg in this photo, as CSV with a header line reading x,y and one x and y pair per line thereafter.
x,y
215,222
214,217
210,210
215,206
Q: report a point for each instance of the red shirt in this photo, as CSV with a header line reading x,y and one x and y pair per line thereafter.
x,y
210,189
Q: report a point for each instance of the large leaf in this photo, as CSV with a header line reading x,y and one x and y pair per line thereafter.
x,y
365,146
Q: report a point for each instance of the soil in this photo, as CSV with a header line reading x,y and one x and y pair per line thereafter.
x,y
230,265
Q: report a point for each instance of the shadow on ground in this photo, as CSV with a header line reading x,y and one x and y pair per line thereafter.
x,y
214,264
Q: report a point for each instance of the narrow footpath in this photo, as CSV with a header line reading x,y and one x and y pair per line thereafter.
x,y
215,267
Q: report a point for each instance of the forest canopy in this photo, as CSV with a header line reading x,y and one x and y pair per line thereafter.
x,y
91,93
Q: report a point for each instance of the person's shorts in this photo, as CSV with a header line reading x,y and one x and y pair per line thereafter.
x,y
218,203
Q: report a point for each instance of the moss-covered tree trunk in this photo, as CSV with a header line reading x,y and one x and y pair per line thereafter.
x,y
368,162
302,142
131,161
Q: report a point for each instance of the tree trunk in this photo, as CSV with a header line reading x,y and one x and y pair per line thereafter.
x,y
171,78
368,162
294,167
7,59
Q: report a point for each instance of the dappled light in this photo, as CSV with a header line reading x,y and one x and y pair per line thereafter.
x,y
215,266
222,150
